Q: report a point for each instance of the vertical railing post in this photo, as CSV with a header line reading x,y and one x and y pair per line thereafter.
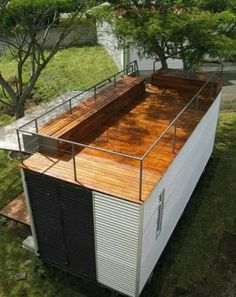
x,y
136,66
36,126
211,89
140,179
196,106
70,106
74,162
174,138
132,67
19,144
221,76
95,92
114,80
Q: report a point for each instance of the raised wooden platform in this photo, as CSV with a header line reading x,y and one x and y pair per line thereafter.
x,y
88,115
16,210
175,78
132,129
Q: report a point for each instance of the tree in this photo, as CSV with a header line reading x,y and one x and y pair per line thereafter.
x,y
174,28
24,29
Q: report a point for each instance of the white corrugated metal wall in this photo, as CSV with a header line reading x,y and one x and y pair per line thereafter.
x,y
127,248
179,183
118,228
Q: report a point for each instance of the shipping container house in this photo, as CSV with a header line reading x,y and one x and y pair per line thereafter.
x,y
108,179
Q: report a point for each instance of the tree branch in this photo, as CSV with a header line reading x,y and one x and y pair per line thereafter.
x,y
8,88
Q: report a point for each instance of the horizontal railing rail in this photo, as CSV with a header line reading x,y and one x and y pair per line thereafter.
x,y
180,113
113,78
174,124
180,59
81,145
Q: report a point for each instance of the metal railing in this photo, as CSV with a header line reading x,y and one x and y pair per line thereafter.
x,y
75,146
158,61
131,69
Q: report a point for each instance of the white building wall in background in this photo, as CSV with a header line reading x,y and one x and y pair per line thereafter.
x,y
179,182
146,64
122,57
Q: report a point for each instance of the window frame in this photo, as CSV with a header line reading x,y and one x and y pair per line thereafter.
x,y
160,209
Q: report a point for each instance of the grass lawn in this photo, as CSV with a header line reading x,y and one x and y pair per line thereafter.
x,y
199,260
75,68
10,184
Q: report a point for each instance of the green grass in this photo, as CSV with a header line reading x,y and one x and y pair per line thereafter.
x,y
10,185
198,260
5,119
76,68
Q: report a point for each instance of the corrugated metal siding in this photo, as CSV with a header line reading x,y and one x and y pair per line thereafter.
x,y
63,216
117,236
179,183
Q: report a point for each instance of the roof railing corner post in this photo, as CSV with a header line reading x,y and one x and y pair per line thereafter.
x,y
70,106
221,75
137,69
36,125
74,161
19,145
132,67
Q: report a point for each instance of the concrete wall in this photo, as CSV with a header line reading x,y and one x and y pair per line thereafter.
x,y
106,38
83,34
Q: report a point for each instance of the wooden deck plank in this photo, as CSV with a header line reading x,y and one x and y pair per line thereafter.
x,y
67,121
132,131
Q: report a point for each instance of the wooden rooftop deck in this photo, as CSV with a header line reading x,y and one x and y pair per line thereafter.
x,y
131,130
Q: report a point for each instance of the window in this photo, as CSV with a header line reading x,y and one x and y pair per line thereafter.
x,y
160,212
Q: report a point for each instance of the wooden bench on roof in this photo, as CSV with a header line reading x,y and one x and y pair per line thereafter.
x,y
175,78
91,113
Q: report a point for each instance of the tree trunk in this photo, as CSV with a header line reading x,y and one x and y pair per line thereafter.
x,y
185,64
19,111
164,64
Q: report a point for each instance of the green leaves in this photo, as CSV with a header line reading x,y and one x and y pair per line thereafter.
x,y
191,30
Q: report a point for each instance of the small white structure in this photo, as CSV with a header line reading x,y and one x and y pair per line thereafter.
x,y
122,57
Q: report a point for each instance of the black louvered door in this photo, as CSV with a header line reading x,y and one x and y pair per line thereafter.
x,y
79,229
43,193
63,217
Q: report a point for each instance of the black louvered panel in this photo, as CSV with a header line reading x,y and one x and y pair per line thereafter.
x,y
63,215
77,210
43,192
